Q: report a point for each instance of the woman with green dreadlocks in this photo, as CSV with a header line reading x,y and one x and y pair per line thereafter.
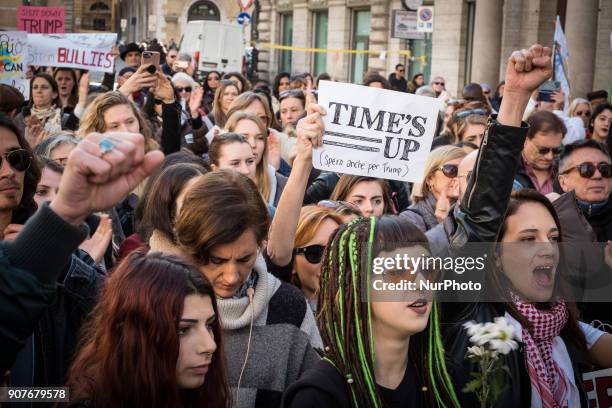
x,y
379,353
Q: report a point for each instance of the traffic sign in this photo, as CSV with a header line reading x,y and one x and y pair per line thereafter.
x,y
243,18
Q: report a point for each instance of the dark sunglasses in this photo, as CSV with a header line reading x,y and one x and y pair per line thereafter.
x,y
587,170
401,70
545,150
449,170
186,89
19,159
312,253
583,113
439,83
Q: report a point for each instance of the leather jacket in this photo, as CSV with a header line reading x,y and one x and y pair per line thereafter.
x,y
478,218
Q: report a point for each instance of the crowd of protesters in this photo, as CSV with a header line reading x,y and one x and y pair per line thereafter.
x,y
167,242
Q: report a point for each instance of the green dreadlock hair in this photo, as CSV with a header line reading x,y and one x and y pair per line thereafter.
x,y
345,321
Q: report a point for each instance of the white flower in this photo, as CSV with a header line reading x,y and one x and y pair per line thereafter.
x,y
498,337
476,351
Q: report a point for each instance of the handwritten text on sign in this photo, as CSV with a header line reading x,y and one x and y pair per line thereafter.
x,y
375,132
40,19
13,57
85,51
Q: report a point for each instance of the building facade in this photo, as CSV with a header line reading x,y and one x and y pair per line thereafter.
x,y
471,40
80,15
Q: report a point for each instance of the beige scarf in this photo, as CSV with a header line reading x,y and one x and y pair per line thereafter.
x,y
50,118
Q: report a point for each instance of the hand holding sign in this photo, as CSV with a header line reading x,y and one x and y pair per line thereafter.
x,y
310,129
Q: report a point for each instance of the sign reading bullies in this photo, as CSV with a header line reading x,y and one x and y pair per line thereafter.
x,y
598,386
40,19
84,51
375,132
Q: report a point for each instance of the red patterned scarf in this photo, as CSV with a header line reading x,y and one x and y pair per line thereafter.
x,y
546,377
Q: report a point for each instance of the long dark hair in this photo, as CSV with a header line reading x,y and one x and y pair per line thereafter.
x,y
130,346
73,99
501,283
27,205
344,320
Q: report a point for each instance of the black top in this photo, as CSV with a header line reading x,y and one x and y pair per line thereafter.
x,y
323,386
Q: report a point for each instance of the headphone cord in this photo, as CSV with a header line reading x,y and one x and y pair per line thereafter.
x,y
250,291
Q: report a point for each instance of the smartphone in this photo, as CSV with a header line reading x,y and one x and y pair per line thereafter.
x,y
544,96
150,58
182,64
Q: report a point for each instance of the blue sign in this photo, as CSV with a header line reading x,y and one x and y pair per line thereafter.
x,y
243,17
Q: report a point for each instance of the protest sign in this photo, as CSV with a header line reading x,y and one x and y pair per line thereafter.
x,y
41,20
85,51
598,385
375,132
13,57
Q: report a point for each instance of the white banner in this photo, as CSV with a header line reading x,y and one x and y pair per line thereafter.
x,y
561,62
84,51
375,132
13,58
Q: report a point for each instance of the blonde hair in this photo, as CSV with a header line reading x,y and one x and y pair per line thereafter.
x,y
574,106
261,174
245,99
435,160
93,117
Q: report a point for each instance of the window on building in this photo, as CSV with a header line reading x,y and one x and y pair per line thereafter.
x,y
360,41
286,39
99,6
320,41
99,24
420,61
203,10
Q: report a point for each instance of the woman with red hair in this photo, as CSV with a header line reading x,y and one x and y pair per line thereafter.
x,y
154,340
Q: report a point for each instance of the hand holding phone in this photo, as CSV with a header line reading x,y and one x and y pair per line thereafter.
x,y
151,58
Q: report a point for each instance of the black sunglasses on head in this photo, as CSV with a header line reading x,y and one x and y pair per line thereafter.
x,y
312,253
449,170
19,159
587,170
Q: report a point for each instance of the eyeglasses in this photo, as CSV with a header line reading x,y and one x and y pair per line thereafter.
x,y
583,113
19,159
341,207
545,150
186,89
587,170
439,83
291,92
449,170
312,253
469,112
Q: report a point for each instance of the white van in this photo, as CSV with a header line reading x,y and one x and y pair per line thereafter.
x,y
221,45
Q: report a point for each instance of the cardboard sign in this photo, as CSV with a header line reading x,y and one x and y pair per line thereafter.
x,y
85,51
598,386
13,58
43,20
375,132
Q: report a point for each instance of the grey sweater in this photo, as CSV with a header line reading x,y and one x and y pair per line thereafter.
x,y
282,342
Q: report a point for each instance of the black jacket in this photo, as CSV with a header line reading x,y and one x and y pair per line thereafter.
x,y
478,219
523,179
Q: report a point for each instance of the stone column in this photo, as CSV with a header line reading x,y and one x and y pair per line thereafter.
x,y
338,37
581,34
302,37
449,43
487,42
379,35
603,58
